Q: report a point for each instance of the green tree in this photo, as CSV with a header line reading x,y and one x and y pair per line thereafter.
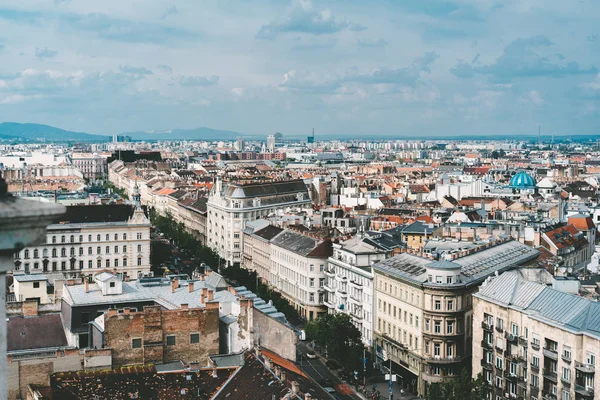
x,y
339,336
461,388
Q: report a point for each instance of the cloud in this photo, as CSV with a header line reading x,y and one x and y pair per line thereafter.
x,y
127,69
171,11
520,59
194,81
407,76
165,68
304,19
45,53
372,42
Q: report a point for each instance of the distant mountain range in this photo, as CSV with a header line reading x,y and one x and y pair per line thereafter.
x,y
38,132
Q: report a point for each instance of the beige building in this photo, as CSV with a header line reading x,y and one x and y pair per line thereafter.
x,y
533,342
89,239
423,308
32,287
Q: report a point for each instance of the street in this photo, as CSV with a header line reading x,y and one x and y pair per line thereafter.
x,y
318,371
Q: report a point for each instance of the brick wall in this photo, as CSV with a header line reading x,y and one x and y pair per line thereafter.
x,y
153,325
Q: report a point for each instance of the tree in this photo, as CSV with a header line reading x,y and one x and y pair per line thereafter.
x,y
339,336
461,388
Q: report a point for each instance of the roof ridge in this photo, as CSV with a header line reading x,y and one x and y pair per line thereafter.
x,y
515,288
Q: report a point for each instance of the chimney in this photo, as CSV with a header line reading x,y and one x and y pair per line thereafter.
x,y
183,306
277,371
268,363
87,285
30,308
207,271
211,295
190,287
70,282
202,298
174,285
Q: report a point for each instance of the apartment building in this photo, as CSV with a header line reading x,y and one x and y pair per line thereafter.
x,y
257,247
350,282
423,308
88,239
298,263
92,166
533,342
230,205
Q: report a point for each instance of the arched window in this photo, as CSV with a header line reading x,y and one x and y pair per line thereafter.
x,y
89,238
81,251
116,236
45,253
124,236
36,253
124,261
139,260
53,239
53,252
98,250
72,239
63,252
80,238
26,255
72,252
107,236
98,238
62,239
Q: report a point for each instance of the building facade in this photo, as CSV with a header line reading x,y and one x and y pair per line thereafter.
x,y
92,166
90,239
231,204
423,308
533,342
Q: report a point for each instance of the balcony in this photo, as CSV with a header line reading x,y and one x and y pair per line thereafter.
x,y
535,346
329,272
510,376
342,293
355,284
566,358
486,365
341,278
566,382
486,326
535,368
584,368
523,341
499,329
357,315
354,299
516,358
546,395
587,392
550,353
550,375
328,288
443,360
328,304
511,337
486,345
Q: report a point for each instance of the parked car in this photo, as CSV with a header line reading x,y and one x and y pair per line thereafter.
x,y
310,354
331,364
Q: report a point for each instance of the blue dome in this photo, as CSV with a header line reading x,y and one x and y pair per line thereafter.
x,y
522,180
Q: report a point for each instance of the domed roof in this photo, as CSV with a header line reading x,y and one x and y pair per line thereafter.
x,y
443,264
522,180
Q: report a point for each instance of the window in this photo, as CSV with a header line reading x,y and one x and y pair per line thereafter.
x,y
438,279
89,238
514,329
124,236
170,340
85,317
80,264
63,265
36,285
98,250
53,265
449,351
72,239
416,321
63,252
427,325
566,353
62,239
450,305
136,343
429,278
450,328
436,349
449,279
90,263
45,253
500,324
107,263
53,252
97,238
311,297
26,254
81,251
438,305
116,262
116,249
116,236
535,380
107,237
312,268
535,361
72,251
139,261
80,238
140,247
437,327
90,251
112,284
566,395
566,374
124,249
499,363
125,262
36,253
194,338
53,239
107,250
139,235
98,263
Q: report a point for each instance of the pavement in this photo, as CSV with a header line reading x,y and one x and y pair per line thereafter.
x,y
319,372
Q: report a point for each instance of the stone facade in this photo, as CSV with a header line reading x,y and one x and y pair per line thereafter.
x,y
155,335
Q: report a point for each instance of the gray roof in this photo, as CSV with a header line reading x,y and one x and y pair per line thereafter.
x,y
275,188
30,278
474,267
443,264
563,310
295,242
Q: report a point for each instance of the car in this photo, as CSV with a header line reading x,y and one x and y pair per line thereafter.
x,y
326,382
310,354
330,390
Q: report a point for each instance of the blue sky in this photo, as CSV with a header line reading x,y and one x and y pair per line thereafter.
x,y
410,67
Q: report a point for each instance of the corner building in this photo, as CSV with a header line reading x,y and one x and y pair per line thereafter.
x,y
423,309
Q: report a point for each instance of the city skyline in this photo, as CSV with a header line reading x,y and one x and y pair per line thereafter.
x,y
430,68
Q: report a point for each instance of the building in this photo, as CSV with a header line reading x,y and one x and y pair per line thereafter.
x,y
423,308
88,239
92,166
534,342
230,205
32,287
298,264
570,245
349,283
271,143
257,247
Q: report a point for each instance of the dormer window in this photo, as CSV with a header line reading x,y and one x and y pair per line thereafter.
x,y
300,196
256,202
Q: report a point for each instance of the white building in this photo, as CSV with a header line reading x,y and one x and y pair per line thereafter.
x,y
32,287
350,282
89,239
93,166
231,204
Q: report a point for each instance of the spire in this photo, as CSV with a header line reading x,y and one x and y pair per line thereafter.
x,y
135,196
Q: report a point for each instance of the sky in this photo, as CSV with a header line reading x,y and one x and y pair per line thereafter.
x,y
410,67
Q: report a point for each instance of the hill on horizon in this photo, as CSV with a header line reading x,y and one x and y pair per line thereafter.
x,y
32,132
